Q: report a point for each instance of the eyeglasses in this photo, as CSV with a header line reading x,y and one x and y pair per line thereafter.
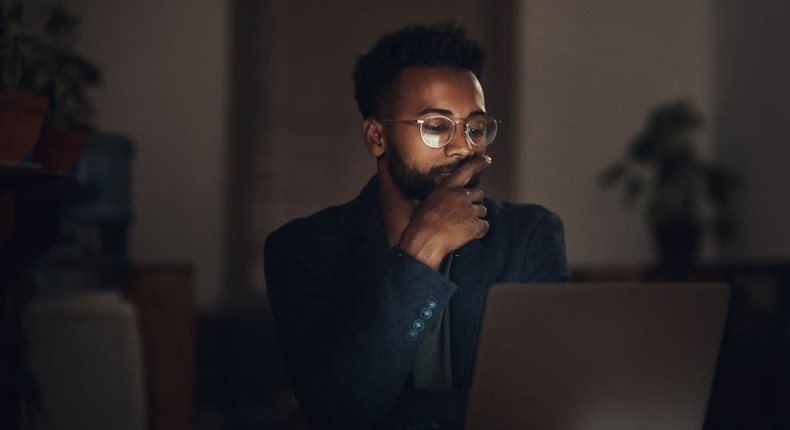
x,y
438,130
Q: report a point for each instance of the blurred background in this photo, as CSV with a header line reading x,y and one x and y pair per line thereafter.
x,y
242,117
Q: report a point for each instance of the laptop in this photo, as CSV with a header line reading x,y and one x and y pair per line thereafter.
x,y
597,356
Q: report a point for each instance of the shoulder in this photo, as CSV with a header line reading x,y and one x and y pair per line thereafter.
x,y
523,211
314,228
518,219
310,247
530,242
335,223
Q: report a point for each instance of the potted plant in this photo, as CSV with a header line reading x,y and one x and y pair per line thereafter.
x,y
21,110
681,194
65,78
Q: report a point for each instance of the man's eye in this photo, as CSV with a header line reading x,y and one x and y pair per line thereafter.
x,y
435,128
476,132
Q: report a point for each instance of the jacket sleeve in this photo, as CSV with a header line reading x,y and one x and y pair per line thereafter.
x,y
349,365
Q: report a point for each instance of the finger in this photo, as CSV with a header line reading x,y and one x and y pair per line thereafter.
x,y
466,170
482,211
475,195
483,229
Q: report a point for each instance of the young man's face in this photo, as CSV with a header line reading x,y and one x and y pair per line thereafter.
x,y
413,166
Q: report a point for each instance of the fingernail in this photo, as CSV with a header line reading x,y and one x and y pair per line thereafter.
x,y
488,158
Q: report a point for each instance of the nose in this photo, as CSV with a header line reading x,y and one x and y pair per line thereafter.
x,y
459,145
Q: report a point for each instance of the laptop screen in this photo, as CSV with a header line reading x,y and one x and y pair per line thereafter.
x,y
597,356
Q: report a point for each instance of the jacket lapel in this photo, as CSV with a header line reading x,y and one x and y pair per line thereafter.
x,y
370,239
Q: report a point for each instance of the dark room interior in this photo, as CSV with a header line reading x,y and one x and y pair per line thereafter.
x,y
132,286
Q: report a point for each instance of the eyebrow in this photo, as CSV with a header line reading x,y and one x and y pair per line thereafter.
x,y
448,112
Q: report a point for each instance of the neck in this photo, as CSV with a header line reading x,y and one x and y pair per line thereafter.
x,y
395,208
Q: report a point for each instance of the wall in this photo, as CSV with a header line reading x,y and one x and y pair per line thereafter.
x,y
752,91
165,72
590,73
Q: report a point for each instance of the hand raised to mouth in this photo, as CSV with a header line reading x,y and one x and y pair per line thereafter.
x,y
449,217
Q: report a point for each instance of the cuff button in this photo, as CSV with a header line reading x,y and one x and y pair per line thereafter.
x,y
432,302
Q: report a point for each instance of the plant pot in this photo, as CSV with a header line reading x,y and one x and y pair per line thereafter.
x,y
59,149
20,123
678,243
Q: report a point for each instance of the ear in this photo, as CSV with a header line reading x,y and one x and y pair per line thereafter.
x,y
373,136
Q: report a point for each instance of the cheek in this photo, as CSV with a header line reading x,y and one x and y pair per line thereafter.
x,y
410,149
407,138
414,152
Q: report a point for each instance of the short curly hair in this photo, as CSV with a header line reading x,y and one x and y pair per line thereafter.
x,y
376,72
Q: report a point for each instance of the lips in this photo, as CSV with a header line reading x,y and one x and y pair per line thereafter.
x,y
449,168
442,172
439,178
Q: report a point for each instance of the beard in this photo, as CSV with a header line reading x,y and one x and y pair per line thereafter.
x,y
415,184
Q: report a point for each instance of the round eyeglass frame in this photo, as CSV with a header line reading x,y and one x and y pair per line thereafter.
x,y
455,122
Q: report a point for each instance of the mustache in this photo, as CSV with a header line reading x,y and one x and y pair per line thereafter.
x,y
451,167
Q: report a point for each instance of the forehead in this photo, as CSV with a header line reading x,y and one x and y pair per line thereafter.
x,y
441,88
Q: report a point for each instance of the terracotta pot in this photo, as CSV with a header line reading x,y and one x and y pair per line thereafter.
x,y
59,149
20,122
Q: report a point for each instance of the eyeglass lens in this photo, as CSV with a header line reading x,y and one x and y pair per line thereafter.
x,y
438,130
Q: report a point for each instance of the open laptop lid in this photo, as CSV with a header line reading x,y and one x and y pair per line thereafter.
x,y
597,356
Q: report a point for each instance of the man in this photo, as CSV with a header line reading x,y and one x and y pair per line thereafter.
x,y
378,302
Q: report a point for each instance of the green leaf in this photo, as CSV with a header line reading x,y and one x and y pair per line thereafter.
x,y
612,174
633,187
720,183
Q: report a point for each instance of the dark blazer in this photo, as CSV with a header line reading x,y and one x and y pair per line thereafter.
x,y
345,306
